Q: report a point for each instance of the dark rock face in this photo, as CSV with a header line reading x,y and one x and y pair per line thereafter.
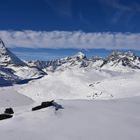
x,y
9,111
43,105
5,116
37,108
47,104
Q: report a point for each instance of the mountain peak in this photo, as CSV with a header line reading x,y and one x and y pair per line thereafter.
x,y
80,55
2,45
7,57
120,55
3,49
123,54
122,59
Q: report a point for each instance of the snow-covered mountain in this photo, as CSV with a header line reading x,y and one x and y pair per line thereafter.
x,y
117,61
8,58
79,60
78,77
73,82
121,61
13,70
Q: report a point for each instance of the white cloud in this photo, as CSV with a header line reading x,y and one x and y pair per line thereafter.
x,y
64,39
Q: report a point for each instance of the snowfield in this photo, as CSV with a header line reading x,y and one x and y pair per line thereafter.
x,y
13,98
81,84
100,97
99,105
79,120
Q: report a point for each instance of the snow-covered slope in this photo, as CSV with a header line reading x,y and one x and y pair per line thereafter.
x,y
75,83
116,119
83,84
13,70
78,77
12,98
79,120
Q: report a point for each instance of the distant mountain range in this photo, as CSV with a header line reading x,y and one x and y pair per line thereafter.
x,y
13,70
117,61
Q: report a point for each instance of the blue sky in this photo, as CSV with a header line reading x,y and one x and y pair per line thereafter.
x,y
52,54
68,26
71,15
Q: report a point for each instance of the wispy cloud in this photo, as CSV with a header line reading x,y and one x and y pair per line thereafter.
x,y
120,5
64,39
61,7
122,12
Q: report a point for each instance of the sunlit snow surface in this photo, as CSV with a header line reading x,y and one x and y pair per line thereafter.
x,y
82,84
98,105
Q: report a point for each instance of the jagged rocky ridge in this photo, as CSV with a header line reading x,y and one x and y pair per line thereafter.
x,y
77,60
121,60
14,70
117,61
